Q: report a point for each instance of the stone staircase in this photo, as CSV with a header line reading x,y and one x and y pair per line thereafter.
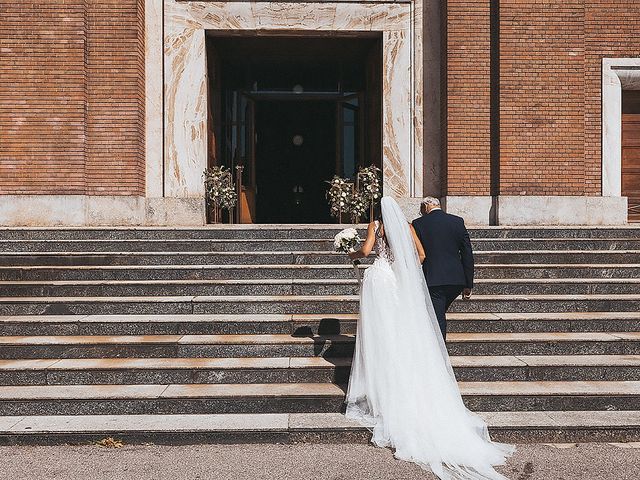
x,y
234,334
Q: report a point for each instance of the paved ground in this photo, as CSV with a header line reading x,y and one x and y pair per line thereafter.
x,y
293,462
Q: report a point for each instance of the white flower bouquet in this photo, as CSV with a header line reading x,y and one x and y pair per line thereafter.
x,y
347,240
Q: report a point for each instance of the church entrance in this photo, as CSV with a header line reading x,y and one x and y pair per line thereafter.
x,y
292,112
295,153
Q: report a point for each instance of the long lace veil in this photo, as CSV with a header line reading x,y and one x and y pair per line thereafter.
x,y
412,285
429,422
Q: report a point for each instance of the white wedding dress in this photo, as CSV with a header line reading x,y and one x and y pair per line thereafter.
x,y
401,380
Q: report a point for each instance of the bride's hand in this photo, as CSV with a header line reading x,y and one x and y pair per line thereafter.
x,y
355,255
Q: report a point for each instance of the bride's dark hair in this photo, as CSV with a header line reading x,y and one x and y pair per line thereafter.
x,y
377,213
377,216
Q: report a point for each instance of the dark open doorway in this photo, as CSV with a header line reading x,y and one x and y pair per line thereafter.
x,y
293,111
295,152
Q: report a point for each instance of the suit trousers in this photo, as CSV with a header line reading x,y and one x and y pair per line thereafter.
x,y
442,297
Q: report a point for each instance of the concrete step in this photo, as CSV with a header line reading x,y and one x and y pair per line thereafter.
x,y
207,346
178,324
305,287
298,258
123,371
178,272
293,244
299,304
312,231
171,245
84,371
306,324
519,322
176,346
207,232
159,288
171,258
339,272
547,271
510,427
170,399
298,398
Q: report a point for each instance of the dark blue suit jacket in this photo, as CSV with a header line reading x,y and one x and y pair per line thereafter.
x,y
449,258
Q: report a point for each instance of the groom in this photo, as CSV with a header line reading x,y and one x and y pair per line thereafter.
x,y
448,266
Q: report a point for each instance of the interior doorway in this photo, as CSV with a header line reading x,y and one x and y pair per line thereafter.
x,y
292,112
295,153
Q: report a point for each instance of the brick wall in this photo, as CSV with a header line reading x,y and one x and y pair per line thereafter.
x,y
72,97
42,96
612,29
541,97
548,89
468,97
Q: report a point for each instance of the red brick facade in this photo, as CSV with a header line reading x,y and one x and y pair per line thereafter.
x,y
72,97
547,92
468,116
522,86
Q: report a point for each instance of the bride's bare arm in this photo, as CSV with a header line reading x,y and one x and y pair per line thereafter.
x,y
368,244
419,247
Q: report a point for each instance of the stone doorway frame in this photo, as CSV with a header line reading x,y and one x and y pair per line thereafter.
x,y
185,79
617,74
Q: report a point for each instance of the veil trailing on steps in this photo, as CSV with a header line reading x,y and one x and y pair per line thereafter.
x,y
402,381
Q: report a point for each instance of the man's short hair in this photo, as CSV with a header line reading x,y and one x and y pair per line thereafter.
x,y
431,201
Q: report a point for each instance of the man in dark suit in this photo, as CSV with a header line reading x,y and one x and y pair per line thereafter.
x,y
448,266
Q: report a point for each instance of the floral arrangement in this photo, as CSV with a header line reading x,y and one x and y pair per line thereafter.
x,y
220,188
339,196
345,197
369,183
347,240
358,205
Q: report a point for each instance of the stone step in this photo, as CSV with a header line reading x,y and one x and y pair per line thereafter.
x,y
305,287
159,288
317,272
171,399
176,346
311,231
546,271
83,371
182,245
179,272
294,245
297,258
299,398
177,324
281,428
340,272
299,304
207,346
306,324
208,232
519,322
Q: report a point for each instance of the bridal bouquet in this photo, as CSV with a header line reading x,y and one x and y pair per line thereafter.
x,y
347,240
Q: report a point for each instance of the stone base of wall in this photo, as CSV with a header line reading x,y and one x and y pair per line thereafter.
x,y
539,210
83,210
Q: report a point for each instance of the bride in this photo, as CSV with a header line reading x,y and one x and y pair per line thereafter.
x,y
401,379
